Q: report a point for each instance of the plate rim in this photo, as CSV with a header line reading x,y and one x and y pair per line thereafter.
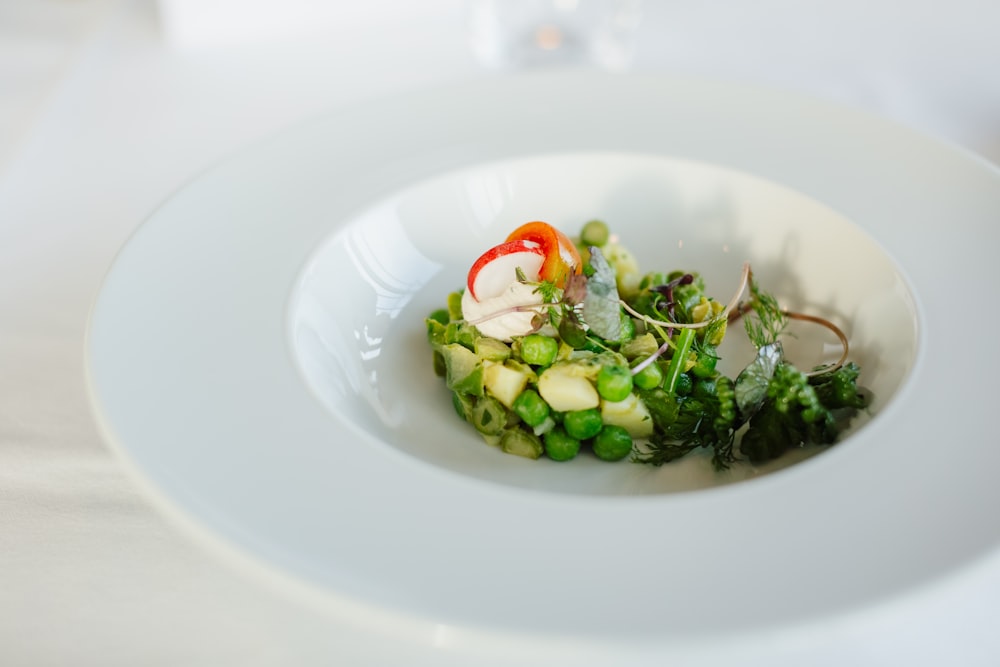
x,y
98,392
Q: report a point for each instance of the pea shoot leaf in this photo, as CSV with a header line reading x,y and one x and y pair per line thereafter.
x,y
601,306
751,383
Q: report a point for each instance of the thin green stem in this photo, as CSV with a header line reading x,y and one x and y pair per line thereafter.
x,y
684,341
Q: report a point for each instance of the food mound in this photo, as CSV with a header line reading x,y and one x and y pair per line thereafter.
x,y
559,345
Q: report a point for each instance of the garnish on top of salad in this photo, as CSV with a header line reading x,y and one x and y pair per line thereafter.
x,y
558,345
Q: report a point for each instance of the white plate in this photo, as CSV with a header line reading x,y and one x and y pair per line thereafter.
x,y
220,362
385,269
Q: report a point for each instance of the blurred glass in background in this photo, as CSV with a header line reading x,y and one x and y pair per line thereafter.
x,y
508,34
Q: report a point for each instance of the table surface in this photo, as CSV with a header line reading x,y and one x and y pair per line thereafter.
x,y
109,106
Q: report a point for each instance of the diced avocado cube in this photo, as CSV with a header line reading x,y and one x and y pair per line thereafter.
x,y
440,369
640,347
461,333
463,369
463,405
436,332
491,349
455,306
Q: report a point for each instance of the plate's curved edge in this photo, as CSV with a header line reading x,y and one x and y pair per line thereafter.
x,y
106,428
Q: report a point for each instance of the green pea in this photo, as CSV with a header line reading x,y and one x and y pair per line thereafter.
x,y
704,366
560,446
613,443
583,424
649,377
538,349
614,382
595,232
530,407
684,385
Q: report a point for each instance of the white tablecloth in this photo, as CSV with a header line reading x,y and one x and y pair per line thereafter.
x,y
108,106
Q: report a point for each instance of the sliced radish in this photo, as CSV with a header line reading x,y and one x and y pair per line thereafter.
x,y
497,267
561,256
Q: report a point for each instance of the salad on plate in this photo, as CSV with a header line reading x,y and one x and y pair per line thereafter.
x,y
559,346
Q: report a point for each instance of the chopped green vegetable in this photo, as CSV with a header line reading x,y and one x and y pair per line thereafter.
x,y
463,369
839,388
625,363
491,349
521,443
489,416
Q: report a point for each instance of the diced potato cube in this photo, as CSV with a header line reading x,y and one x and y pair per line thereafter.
x,y
564,389
504,383
631,414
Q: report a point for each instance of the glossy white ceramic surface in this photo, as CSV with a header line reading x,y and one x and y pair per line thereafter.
x,y
357,317
204,379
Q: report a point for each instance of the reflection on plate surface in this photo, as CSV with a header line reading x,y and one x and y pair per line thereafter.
x,y
357,316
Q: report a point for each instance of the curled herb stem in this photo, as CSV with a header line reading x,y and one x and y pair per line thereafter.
x,y
660,351
744,281
837,331
539,308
